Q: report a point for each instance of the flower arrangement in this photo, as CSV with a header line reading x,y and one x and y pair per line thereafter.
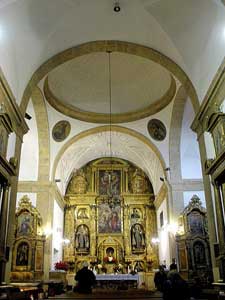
x,y
118,268
61,265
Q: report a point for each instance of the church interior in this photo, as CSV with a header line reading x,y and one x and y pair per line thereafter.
x,y
112,139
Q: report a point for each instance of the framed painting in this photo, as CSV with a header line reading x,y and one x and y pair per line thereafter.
x,y
109,182
109,215
25,224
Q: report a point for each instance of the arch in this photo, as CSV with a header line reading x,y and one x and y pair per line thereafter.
x,y
175,134
43,134
110,45
159,163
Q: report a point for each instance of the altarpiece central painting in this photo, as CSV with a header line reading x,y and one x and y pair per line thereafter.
x,y
109,202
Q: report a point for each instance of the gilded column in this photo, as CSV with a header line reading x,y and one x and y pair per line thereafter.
x,y
152,251
93,229
69,233
220,219
126,181
126,230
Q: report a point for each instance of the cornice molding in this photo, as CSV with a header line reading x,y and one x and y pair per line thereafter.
x,y
6,96
110,45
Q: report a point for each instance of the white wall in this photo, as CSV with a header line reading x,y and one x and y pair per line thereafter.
x,y
210,149
30,150
31,196
189,149
189,194
163,234
57,234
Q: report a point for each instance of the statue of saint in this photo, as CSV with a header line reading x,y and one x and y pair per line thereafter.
x,y
139,182
82,239
22,255
78,183
137,237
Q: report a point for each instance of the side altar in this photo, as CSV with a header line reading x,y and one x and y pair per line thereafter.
x,y
109,209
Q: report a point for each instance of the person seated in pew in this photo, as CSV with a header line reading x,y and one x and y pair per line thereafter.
x,y
85,280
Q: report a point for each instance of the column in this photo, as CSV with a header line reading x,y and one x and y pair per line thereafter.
x,y
126,230
209,205
93,228
221,228
220,218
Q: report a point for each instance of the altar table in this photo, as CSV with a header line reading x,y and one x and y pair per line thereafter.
x,y
119,281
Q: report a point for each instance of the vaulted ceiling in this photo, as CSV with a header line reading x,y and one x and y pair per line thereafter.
x,y
156,47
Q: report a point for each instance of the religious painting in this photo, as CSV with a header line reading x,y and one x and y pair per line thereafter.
x,y
25,224
61,130
109,182
195,221
82,238
199,254
109,215
22,254
136,213
157,129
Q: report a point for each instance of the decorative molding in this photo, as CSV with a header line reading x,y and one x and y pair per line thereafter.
x,y
43,134
119,46
188,185
73,112
162,195
6,96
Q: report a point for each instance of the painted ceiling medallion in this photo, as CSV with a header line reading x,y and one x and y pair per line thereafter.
x,y
157,129
61,130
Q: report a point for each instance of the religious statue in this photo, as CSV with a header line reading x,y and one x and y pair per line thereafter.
x,y
139,182
22,255
82,238
78,183
137,237
109,256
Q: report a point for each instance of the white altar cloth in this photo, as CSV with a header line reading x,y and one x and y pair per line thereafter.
x,y
119,277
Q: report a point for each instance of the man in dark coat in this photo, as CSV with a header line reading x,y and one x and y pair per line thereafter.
x,y
160,278
86,279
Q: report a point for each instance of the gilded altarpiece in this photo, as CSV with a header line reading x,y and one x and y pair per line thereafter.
x,y
28,247
193,242
110,217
